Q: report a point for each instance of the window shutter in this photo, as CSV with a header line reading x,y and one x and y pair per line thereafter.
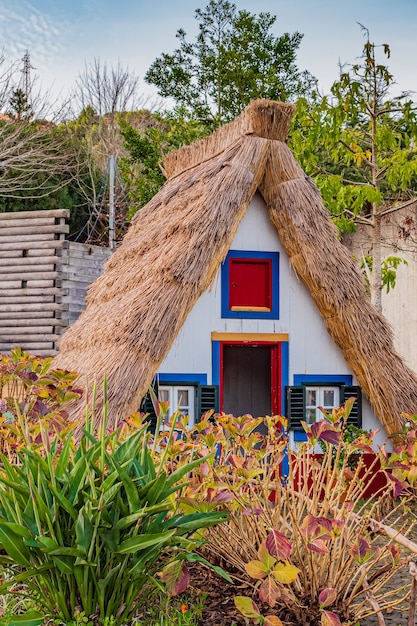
x,y
353,391
295,407
208,399
146,406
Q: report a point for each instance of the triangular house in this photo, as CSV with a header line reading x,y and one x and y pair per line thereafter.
x,y
232,289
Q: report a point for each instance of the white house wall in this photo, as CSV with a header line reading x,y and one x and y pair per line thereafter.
x,y
311,349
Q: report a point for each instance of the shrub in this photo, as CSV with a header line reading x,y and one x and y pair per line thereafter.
x,y
32,401
305,537
86,528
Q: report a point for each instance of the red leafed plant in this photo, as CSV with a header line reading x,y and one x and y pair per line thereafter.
x,y
312,547
33,399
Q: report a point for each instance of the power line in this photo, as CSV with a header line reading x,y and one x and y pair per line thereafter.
x,y
26,82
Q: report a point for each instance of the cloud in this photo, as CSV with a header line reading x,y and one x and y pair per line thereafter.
x,y
42,33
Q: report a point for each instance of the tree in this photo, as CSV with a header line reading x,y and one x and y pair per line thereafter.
x,y
19,105
234,59
147,139
106,89
7,71
36,159
359,145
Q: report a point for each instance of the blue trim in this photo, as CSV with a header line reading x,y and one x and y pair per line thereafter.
x,y
335,379
215,363
246,254
183,378
285,467
300,435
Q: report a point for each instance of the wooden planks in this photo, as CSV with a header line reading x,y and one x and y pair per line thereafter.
x,y
30,242
81,264
43,279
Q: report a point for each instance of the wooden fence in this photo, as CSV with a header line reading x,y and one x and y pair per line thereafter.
x,y
43,279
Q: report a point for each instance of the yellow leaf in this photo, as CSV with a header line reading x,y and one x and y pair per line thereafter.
x,y
256,569
412,474
247,607
272,620
285,573
265,556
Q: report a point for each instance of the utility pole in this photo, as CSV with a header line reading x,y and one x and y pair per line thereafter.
x,y
112,175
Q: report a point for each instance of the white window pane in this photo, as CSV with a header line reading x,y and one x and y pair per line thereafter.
x,y
183,398
311,415
178,398
163,395
328,398
311,397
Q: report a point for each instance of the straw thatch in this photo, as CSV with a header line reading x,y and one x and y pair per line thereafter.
x,y
176,244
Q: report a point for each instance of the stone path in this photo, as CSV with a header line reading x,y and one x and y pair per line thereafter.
x,y
397,617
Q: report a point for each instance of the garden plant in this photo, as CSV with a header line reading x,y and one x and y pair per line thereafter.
x,y
86,527
313,546
91,530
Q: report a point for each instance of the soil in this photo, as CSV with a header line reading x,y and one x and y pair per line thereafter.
x,y
219,608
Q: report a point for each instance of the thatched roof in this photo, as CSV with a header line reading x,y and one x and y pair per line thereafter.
x,y
174,248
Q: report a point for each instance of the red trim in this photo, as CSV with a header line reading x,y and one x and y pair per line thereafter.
x,y
276,371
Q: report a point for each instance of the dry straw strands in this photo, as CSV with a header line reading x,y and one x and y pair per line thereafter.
x,y
176,244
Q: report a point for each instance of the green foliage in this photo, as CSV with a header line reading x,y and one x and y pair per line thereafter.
x,y
20,106
359,146
234,59
142,169
349,433
389,268
91,528
87,527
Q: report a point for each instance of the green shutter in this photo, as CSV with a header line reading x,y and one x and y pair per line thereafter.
x,y
353,391
295,407
146,406
208,399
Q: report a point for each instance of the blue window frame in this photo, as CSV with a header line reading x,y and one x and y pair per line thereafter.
x,y
271,288
297,398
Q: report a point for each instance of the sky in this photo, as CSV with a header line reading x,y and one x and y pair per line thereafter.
x,y
62,36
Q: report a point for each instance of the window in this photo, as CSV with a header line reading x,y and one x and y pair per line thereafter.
x,y
180,399
303,401
326,397
250,285
192,397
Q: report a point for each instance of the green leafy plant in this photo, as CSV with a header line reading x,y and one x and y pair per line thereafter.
x,y
89,528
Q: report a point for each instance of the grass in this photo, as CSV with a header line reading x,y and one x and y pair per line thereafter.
x,y
162,610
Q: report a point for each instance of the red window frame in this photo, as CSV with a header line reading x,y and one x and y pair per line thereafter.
x,y
250,284
276,371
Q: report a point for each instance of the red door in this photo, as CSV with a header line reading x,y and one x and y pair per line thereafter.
x,y
250,378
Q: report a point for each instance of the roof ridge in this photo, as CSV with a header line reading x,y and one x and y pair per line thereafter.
x,y
264,118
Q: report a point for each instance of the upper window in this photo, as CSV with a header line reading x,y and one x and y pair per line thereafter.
x,y
250,285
